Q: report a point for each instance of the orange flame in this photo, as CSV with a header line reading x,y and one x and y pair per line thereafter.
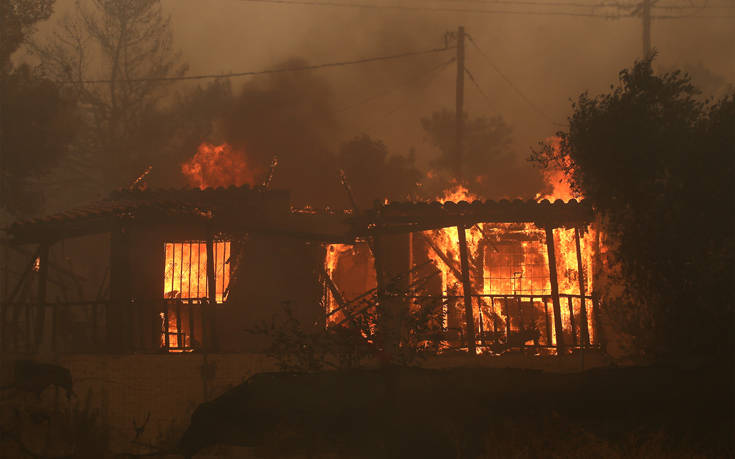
x,y
218,166
510,271
558,178
185,282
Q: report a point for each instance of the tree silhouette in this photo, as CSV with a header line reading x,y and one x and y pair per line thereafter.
x,y
124,47
657,162
37,118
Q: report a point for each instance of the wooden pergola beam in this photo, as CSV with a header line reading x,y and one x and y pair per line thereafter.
x,y
551,251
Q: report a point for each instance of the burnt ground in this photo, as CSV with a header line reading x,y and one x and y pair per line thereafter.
x,y
654,411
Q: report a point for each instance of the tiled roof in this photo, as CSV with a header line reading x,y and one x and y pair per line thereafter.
x,y
436,214
128,204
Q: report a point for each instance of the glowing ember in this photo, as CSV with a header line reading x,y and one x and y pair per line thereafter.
x,y
220,165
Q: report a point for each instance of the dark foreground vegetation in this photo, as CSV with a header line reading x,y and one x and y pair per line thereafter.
x,y
656,159
463,412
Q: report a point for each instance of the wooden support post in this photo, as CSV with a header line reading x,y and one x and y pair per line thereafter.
x,y
559,332
23,277
42,283
379,263
332,287
3,329
208,340
467,290
507,322
110,331
164,328
584,334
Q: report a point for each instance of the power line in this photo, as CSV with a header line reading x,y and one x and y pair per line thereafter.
x,y
488,11
395,88
532,3
510,83
693,16
387,114
269,71
436,9
477,85
603,4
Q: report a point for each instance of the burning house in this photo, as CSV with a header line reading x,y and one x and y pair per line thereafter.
x,y
190,270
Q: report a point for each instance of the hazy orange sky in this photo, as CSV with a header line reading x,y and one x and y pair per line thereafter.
x,y
549,58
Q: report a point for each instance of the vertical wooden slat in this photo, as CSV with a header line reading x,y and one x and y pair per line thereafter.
x,y
507,322
559,332
521,324
164,327
209,335
189,307
3,303
597,323
28,328
188,279
54,323
95,333
202,301
548,322
584,326
572,323
3,328
181,269
466,290
480,281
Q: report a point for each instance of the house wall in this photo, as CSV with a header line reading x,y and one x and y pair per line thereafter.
x,y
269,272
275,272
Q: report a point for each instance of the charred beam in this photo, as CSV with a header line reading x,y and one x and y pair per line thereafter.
x,y
466,289
336,295
457,273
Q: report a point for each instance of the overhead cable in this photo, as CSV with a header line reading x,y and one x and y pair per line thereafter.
x,y
267,71
510,83
433,8
416,79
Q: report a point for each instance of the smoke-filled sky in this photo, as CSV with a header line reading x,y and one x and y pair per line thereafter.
x,y
549,59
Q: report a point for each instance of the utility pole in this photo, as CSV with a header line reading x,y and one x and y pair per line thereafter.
x,y
646,18
460,103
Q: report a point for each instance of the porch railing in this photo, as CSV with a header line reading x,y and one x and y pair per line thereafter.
x,y
104,326
508,321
